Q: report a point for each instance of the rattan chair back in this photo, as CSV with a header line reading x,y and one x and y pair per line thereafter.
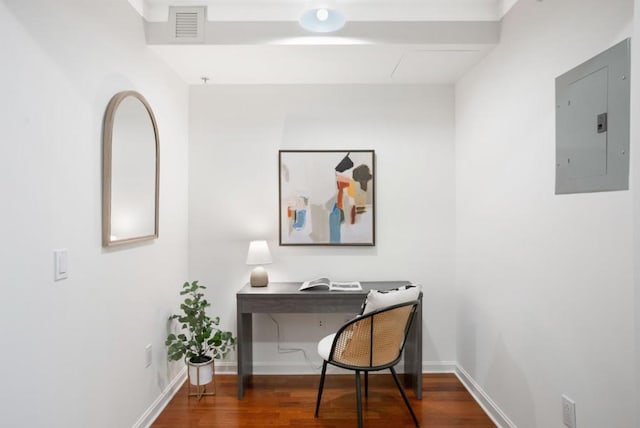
x,y
374,340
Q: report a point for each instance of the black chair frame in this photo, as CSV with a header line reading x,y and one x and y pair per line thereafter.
x,y
370,367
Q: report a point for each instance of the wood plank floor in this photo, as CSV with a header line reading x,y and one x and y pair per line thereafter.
x,y
289,401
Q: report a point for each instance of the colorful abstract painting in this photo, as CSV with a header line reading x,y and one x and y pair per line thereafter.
x,y
327,197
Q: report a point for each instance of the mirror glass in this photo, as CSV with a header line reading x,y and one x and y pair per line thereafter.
x,y
130,180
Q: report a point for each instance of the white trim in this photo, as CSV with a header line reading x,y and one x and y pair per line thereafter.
x,y
482,398
439,366
151,414
270,368
226,367
301,367
290,10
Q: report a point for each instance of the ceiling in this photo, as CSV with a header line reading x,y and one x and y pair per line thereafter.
x,y
383,42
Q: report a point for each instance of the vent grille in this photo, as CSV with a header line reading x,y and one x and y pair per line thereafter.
x,y
186,25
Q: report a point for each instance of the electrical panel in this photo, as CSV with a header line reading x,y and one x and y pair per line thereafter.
x,y
592,124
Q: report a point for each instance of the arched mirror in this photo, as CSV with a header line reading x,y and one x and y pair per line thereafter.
x,y
130,180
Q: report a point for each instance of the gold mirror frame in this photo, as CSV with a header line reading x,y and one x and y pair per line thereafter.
x,y
108,239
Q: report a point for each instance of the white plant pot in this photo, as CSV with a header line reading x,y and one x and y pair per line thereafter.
x,y
200,373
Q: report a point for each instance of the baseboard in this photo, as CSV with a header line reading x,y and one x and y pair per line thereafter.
x,y
226,367
482,398
439,366
161,402
299,368
479,395
277,368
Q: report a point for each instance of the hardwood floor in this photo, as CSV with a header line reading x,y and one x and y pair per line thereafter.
x,y
289,401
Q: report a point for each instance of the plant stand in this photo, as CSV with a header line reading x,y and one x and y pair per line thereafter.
x,y
195,388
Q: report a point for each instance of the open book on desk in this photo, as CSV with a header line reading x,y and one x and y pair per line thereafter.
x,y
326,284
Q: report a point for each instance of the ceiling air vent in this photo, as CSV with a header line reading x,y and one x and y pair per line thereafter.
x,y
187,24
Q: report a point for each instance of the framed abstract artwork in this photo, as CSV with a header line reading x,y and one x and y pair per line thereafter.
x,y
327,197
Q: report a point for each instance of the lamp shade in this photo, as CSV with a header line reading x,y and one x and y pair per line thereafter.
x,y
258,253
322,20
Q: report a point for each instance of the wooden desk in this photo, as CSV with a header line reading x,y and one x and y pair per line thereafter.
x,y
284,297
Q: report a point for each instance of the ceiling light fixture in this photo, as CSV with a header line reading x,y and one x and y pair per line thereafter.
x,y
322,19
322,14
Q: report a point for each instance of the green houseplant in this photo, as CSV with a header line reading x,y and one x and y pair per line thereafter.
x,y
202,341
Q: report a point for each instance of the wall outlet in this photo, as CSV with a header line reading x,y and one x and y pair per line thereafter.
x,y
148,355
568,412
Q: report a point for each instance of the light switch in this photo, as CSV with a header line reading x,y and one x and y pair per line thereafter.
x,y
61,264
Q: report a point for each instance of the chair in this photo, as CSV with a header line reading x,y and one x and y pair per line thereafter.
x,y
370,342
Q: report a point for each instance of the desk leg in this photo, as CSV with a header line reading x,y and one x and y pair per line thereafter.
x,y
245,350
413,355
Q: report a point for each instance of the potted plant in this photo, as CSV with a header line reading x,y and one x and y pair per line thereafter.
x,y
202,340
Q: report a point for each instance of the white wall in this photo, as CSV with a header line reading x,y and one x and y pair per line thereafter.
x,y
528,262
73,351
545,282
635,178
235,135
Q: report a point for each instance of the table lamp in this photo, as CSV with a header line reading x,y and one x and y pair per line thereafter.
x,y
259,255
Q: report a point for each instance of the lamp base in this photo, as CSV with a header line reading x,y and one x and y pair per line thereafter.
x,y
259,277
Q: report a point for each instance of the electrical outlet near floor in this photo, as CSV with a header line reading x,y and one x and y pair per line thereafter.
x,y
148,355
568,412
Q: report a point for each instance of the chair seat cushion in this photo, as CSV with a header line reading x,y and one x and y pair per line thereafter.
x,y
324,346
381,299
